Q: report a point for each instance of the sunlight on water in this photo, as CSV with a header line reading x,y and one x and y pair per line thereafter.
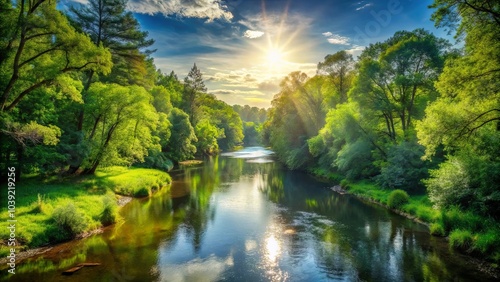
x,y
252,154
209,269
273,248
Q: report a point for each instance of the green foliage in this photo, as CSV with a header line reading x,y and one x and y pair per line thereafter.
x,y
354,159
251,114
297,115
70,219
89,200
109,214
404,168
225,118
338,68
462,239
181,144
251,131
488,242
137,182
115,110
456,218
193,86
207,135
437,229
397,199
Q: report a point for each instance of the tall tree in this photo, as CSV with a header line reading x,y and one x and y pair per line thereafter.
x,y
109,24
193,86
40,53
339,68
396,78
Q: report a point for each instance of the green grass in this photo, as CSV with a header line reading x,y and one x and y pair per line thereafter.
x,y
82,203
467,231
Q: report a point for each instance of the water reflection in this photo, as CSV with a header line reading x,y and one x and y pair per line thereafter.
x,y
232,220
209,269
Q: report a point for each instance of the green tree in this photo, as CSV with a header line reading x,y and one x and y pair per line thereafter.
x,y
223,116
119,124
465,120
339,68
40,57
180,146
396,79
193,86
108,24
298,113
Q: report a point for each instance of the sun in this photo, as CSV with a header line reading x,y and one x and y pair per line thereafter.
x,y
274,55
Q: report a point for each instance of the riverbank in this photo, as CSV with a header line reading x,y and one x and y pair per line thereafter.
x,y
57,209
465,231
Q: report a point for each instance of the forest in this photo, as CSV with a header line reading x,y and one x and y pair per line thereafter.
x,y
413,116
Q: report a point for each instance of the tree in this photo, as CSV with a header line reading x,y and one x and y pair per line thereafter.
x,y
339,68
43,46
119,124
108,23
193,85
180,146
224,118
396,79
41,55
464,121
298,113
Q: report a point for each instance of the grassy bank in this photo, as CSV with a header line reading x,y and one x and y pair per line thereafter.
x,y
50,210
466,231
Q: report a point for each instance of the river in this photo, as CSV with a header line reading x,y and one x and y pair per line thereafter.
x,y
243,217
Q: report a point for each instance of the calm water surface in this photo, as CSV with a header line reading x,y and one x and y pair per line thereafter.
x,y
242,217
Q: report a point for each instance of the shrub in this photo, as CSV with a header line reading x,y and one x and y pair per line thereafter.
x,y
488,242
345,184
454,218
142,192
404,168
397,199
462,239
110,212
69,219
39,205
437,229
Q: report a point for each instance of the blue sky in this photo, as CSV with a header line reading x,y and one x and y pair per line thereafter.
x,y
245,47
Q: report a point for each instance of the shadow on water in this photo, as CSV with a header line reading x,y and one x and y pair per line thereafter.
x,y
241,216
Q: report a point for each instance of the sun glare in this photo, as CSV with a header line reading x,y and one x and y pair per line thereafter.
x,y
274,56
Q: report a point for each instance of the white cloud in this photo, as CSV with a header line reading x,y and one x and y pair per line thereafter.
x,y
327,34
338,40
364,6
355,50
253,34
203,9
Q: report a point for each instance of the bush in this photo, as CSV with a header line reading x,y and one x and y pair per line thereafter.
x,y
110,212
397,199
437,229
487,242
345,184
142,192
69,219
404,168
462,239
455,218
